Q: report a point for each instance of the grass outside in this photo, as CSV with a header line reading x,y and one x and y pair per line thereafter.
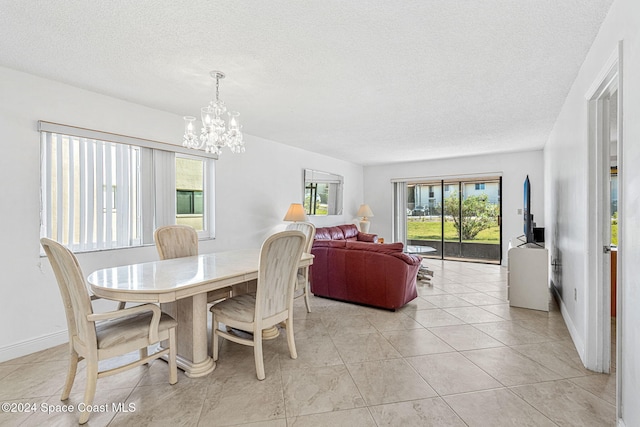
x,y
432,230
321,209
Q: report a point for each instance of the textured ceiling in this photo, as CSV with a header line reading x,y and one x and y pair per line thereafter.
x,y
366,81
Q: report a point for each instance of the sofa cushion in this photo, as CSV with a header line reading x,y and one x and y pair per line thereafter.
x,y
329,233
336,233
322,233
386,248
350,231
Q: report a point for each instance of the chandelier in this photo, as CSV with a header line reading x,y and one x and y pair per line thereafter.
x,y
216,133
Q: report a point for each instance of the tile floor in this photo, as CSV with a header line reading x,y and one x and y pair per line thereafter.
x,y
458,355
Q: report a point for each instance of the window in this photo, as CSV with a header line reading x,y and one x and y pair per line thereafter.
x,y
189,202
190,183
460,222
322,193
105,191
315,198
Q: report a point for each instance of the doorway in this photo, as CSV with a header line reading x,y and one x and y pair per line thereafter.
x,y
604,305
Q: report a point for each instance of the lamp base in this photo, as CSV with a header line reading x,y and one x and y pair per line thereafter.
x,y
364,226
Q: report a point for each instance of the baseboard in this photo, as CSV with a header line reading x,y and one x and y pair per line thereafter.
x,y
575,337
33,345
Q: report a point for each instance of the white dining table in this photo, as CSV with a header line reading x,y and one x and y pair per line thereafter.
x,y
180,285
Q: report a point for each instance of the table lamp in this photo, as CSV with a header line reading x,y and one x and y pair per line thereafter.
x,y
364,212
295,213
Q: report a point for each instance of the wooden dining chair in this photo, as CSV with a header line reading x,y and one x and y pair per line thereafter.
x,y
177,241
272,303
122,331
309,231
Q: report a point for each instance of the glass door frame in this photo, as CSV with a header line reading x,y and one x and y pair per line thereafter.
x,y
459,182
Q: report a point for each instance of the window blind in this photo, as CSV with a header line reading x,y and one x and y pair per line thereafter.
x,y
104,191
91,191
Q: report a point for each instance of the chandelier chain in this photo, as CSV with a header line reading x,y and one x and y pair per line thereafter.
x,y
217,88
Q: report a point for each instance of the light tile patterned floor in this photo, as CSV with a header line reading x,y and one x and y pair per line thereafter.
x,y
458,355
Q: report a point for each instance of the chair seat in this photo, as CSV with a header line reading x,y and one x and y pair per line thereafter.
x,y
119,331
241,307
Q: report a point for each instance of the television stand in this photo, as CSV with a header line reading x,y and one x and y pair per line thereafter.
x,y
528,276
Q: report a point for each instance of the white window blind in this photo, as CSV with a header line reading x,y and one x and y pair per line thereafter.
x,y
100,194
92,192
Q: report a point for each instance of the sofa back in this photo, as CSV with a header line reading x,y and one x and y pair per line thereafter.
x,y
343,232
338,232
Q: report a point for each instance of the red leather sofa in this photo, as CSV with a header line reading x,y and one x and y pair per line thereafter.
x,y
350,266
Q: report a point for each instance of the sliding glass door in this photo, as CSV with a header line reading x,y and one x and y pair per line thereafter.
x,y
424,216
458,218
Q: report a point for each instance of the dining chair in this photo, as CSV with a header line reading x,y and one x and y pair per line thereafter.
x,y
271,304
309,231
177,241
99,336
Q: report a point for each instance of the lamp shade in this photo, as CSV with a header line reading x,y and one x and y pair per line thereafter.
x,y
295,213
364,211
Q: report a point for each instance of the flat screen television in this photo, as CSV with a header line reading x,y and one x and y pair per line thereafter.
x,y
528,218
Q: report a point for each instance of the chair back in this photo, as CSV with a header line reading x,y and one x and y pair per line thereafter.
x,y
277,274
309,231
176,241
77,303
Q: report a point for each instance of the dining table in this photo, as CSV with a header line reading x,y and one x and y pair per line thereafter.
x,y
180,286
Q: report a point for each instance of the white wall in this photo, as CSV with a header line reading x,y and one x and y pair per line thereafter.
x,y
253,192
566,174
513,167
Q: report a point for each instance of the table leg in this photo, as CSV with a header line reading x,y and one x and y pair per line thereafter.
x,y
191,314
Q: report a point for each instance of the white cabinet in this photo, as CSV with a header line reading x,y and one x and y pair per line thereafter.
x,y
528,279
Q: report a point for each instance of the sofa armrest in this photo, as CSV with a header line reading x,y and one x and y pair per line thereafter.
x,y
408,258
366,237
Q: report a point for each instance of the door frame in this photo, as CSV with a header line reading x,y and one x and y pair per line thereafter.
x,y
597,268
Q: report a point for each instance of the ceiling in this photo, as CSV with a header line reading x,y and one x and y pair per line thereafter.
x,y
369,82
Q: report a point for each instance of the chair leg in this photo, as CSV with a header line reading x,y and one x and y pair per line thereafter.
x,y
214,339
144,353
257,354
90,391
173,350
290,340
71,373
306,297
